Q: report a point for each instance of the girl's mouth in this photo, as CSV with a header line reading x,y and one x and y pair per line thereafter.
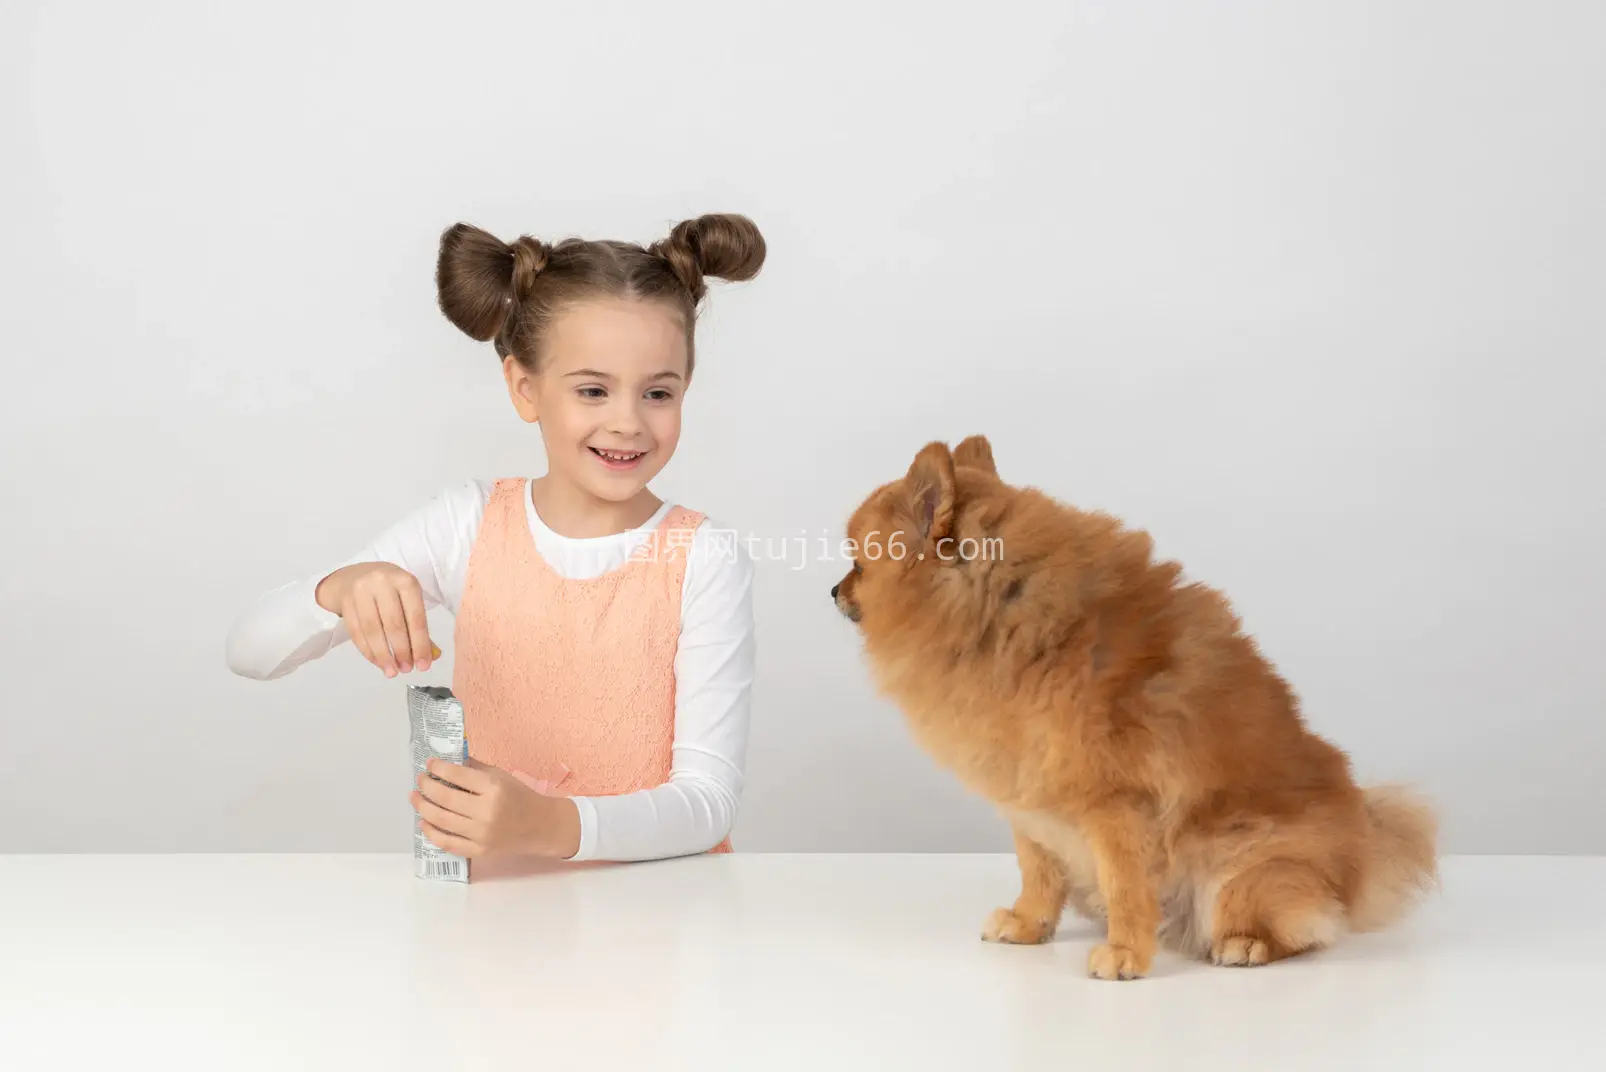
x,y
619,460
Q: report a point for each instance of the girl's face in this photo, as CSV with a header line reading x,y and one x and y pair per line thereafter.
x,y
607,395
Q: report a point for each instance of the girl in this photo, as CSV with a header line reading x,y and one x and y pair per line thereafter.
x,y
604,638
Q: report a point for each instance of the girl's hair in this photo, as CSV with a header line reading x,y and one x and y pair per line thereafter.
x,y
510,294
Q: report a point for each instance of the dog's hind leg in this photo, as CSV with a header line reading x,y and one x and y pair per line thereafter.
x,y
1043,890
1274,909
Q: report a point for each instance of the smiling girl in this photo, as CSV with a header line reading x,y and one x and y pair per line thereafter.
x,y
604,638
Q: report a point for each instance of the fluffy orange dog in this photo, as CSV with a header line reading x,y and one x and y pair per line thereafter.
x,y
1154,767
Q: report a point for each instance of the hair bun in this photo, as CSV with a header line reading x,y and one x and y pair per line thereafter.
x,y
474,280
722,245
530,255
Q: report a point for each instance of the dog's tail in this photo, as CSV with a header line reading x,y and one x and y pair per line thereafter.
x,y
1400,860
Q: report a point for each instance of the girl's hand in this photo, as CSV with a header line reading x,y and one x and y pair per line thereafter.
x,y
493,814
383,608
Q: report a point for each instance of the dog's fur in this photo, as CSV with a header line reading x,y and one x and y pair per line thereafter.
x,y
1153,765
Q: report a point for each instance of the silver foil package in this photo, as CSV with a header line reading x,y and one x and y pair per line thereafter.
x,y
436,718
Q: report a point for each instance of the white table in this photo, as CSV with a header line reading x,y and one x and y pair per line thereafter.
x,y
746,961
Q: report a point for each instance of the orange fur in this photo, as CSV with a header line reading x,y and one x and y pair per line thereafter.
x,y
1154,766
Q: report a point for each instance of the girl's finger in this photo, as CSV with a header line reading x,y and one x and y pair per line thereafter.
x,y
453,844
359,639
375,630
394,620
412,599
474,779
448,797
441,819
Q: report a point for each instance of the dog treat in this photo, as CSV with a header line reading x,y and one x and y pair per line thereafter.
x,y
436,717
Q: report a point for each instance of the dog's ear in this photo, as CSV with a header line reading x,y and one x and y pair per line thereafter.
x,y
930,484
974,452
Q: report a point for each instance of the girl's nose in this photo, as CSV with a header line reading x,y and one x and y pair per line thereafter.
x,y
624,420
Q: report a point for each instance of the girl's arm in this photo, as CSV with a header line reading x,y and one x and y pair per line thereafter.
x,y
287,627
694,810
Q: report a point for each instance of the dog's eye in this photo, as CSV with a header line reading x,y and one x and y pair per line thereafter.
x,y
858,567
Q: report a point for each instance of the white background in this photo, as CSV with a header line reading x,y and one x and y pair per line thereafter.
x,y
1311,290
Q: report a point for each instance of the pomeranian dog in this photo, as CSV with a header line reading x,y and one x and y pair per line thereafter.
x,y
1153,766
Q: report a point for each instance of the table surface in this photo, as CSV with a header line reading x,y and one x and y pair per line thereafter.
x,y
746,961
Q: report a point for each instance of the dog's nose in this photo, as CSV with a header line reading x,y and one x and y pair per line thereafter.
x,y
834,590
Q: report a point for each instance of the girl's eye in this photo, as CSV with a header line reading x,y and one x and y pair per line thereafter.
x,y
592,392
658,394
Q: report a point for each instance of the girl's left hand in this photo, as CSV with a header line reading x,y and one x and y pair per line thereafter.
x,y
493,814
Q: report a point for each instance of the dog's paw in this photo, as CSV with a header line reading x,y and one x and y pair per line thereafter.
x,y
1007,927
1117,962
1240,950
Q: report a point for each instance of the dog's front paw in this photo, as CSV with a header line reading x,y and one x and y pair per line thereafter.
x,y
1005,926
1117,962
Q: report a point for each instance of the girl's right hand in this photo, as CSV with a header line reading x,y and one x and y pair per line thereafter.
x,y
383,608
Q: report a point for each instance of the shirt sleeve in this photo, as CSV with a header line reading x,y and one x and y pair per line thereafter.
x,y
695,809
287,628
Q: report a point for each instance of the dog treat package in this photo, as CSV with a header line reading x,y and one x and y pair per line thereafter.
x,y
436,717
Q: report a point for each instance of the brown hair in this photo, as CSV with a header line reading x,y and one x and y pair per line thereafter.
x,y
509,294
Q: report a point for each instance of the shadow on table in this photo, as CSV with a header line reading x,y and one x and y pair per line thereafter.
x,y
525,867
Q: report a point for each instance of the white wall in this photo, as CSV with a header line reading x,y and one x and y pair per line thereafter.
x,y
1311,290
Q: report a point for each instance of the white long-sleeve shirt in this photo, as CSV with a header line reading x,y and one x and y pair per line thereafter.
x,y
690,813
